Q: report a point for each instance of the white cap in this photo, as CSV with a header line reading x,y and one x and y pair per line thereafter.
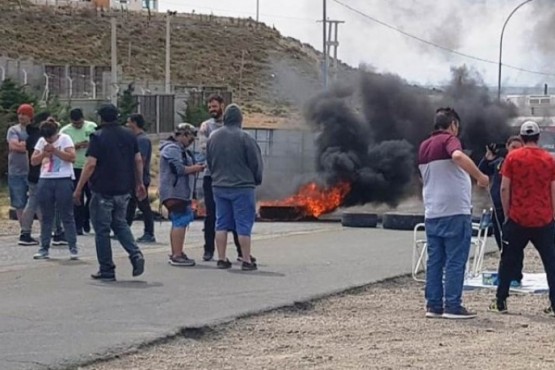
x,y
529,128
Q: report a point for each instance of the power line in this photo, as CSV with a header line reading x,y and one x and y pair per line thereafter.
x,y
444,48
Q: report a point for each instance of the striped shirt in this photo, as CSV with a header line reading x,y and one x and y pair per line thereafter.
x,y
447,187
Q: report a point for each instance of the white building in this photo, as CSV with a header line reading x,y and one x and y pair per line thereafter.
x,y
133,5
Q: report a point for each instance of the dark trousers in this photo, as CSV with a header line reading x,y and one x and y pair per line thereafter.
x,y
81,212
498,221
518,238
210,219
108,212
144,207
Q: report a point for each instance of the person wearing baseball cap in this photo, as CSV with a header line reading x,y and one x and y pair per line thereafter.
x,y
18,162
528,197
115,169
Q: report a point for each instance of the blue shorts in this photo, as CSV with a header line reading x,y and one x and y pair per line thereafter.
x,y
182,220
235,209
19,188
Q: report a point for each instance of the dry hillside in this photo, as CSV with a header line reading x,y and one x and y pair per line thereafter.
x,y
206,50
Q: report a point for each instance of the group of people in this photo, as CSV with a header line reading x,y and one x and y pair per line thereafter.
x,y
522,187
82,174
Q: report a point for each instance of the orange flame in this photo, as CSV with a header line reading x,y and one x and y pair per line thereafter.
x,y
315,200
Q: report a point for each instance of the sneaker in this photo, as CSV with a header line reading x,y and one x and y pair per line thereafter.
x,y
207,256
498,306
73,255
79,232
434,313
240,259
549,311
42,254
59,240
222,265
249,266
146,238
459,314
516,284
103,276
87,227
182,260
26,239
138,263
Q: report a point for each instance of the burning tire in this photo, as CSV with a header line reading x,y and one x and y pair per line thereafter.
x,y
359,219
401,221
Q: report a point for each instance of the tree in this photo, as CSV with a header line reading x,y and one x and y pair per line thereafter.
x,y
127,103
13,95
195,115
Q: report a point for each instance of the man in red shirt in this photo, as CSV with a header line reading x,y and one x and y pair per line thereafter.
x,y
528,198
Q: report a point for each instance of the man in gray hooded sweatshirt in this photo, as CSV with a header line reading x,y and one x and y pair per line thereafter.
x,y
235,162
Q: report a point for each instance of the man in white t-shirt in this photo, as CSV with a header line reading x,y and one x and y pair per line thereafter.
x,y
55,153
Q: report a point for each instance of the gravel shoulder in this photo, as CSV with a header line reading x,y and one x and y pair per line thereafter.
x,y
381,326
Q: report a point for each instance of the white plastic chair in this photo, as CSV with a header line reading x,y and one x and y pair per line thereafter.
x,y
478,244
477,247
419,251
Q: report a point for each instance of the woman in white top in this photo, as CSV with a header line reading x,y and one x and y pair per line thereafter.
x,y
55,153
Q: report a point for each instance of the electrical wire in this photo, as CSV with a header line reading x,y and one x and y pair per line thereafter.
x,y
433,44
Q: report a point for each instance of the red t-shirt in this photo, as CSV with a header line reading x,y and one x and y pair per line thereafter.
x,y
531,171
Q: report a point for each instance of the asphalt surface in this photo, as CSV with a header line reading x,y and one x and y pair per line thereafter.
x,y
53,315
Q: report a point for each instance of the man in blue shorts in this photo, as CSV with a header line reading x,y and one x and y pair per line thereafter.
x,y
177,170
235,162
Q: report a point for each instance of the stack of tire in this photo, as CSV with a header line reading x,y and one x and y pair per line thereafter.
x,y
389,220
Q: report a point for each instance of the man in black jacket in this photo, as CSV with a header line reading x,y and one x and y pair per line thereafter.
x,y
32,206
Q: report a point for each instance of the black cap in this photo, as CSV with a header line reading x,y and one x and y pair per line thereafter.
x,y
108,112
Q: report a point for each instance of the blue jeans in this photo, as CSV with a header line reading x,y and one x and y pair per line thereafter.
x,y
18,187
56,196
109,212
235,209
448,240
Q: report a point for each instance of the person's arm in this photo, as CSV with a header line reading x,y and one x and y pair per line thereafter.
x,y
88,170
39,154
254,159
138,169
464,162
173,155
67,153
37,157
506,195
14,144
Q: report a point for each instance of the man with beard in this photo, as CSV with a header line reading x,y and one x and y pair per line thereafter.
x,y
216,109
79,131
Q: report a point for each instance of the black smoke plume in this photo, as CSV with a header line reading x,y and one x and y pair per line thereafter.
x,y
369,135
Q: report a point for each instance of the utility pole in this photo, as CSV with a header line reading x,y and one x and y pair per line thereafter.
x,y
114,79
324,47
334,43
168,46
257,10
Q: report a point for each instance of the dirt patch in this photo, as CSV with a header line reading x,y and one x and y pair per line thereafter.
x,y
379,327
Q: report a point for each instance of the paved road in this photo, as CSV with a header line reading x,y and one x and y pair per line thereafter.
x,y
52,314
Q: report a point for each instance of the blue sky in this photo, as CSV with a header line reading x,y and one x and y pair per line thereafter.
x,y
467,26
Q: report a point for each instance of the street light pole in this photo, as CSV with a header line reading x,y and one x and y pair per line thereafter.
x,y
501,47
257,10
